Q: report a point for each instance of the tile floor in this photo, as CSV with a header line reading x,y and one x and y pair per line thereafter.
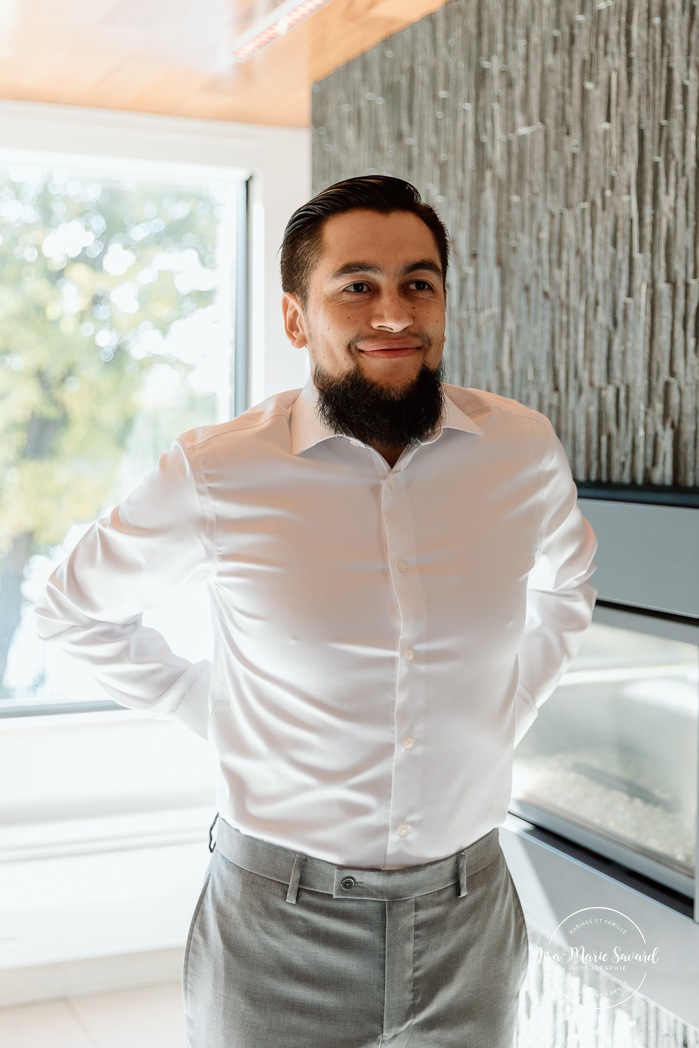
x,y
141,1018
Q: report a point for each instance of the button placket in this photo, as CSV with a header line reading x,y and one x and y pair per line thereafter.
x,y
398,516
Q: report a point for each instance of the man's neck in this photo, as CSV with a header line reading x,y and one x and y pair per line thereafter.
x,y
390,454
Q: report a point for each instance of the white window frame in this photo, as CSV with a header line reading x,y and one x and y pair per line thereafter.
x,y
277,160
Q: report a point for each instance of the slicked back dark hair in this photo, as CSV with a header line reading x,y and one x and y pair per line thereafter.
x,y
301,246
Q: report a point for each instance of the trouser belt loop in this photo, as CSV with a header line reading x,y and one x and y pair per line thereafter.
x,y
212,839
296,869
461,888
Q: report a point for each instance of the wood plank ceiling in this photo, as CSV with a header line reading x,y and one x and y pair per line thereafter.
x,y
173,56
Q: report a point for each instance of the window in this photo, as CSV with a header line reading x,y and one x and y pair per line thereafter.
x,y
116,334
611,761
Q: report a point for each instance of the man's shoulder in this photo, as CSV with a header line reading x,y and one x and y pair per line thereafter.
x,y
487,409
272,414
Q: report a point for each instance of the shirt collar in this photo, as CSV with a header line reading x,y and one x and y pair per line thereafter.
x,y
308,430
455,418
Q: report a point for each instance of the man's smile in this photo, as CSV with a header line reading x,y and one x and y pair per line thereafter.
x,y
391,352
390,349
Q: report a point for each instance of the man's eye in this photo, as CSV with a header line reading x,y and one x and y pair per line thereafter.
x,y
421,285
357,287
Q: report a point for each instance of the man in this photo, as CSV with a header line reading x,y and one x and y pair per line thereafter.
x,y
397,571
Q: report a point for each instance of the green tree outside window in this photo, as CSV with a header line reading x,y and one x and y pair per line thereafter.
x,y
108,294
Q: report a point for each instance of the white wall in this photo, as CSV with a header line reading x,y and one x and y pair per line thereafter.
x,y
103,846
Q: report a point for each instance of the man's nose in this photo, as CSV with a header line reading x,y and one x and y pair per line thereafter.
x,y
391,312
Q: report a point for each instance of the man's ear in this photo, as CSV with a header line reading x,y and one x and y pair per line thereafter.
x,y
294,321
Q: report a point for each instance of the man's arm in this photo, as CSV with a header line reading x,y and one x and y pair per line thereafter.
x,y
126,564
559,597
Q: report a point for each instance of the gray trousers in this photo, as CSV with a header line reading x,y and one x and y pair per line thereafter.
x,y
287,951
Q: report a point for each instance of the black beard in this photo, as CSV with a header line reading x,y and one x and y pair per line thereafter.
x,y
379,415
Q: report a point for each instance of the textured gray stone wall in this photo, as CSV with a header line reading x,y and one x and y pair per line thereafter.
x,y
559,1009
558,139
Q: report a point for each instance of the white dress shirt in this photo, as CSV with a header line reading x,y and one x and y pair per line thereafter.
x,y
381,636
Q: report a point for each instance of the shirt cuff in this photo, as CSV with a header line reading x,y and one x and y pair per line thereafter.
x,y
193,709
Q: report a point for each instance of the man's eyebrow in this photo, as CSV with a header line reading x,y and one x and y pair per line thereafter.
x,y
351,268
424,263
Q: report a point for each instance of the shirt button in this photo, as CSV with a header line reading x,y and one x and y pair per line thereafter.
x,y
402,566
409,654
409,743
403,830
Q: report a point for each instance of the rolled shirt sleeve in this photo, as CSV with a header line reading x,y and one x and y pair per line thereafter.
x,y
126,564
560,600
